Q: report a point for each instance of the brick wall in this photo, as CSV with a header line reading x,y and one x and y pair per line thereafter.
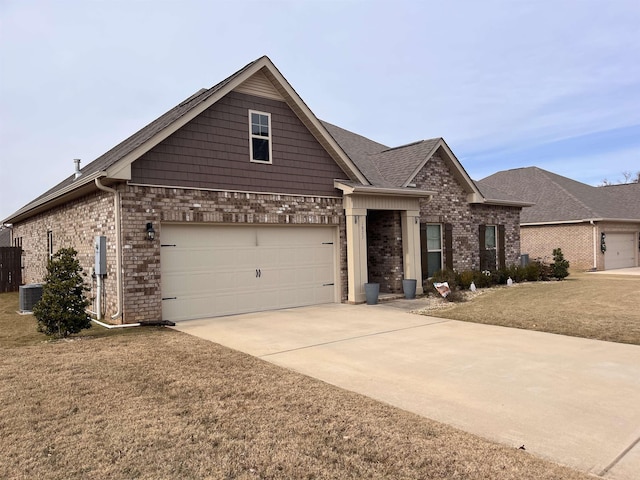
x,y
575,240
499,215
75,224
141,204
450,206
384,250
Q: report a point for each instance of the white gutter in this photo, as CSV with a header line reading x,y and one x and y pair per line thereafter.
x,y
584,220
116,206
595,245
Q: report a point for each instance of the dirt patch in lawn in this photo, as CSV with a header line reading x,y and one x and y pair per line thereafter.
x,y
162,404
590,306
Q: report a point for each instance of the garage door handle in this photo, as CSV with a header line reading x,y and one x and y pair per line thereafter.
x,y
258,273
169,298
327,284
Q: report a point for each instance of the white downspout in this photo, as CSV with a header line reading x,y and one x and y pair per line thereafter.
x,y
595,245
116,206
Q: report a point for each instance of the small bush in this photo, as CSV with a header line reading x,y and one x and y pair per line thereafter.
x,y
442,276
455,296
465,278
61,310
560,266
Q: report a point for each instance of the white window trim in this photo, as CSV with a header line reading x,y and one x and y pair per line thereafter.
x,y
252,136
441,250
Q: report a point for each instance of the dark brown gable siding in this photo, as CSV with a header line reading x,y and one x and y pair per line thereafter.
x,y
212,151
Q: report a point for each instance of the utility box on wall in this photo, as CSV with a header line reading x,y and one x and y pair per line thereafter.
x,y
101,255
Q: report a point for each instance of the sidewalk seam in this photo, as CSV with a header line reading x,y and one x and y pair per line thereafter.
x,y
619,457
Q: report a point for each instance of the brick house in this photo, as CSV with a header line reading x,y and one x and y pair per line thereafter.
x,y
239,199
598,228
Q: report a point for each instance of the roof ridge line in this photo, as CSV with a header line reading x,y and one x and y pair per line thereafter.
x,y
407,145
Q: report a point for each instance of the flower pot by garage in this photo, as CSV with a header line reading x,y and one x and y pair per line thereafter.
x,y
371,291
409,288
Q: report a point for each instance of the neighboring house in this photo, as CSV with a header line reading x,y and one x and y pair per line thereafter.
x,y
598,228
239,199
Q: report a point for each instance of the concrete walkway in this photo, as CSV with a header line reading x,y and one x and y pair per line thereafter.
x,y
570,400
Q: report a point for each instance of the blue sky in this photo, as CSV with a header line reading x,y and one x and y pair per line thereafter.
x,y
508,84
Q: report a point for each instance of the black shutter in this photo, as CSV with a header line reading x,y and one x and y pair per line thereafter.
x,y
502,262
423,251
448,246
481,241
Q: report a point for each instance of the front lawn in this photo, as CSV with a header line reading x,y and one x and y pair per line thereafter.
x,y
149,403
602,307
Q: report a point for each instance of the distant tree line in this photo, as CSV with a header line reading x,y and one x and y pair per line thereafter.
x,y
628,178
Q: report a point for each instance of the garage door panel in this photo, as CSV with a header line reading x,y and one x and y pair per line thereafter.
x,y
224,270
620,251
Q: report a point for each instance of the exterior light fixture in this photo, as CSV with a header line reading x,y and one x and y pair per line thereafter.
x,y
151,233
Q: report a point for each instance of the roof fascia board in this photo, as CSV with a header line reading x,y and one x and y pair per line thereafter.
x,y
313,124
617,220
508,203
368,190
36,207
584,220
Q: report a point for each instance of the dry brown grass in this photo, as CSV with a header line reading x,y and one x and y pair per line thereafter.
x,y
602,307
156,404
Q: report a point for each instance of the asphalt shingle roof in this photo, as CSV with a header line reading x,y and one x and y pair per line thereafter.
x,y
559,198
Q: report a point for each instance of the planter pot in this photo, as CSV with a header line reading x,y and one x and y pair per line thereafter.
x,y
371,291
409,288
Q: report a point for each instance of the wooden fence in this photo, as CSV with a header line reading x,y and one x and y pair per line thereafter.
x,y
10,269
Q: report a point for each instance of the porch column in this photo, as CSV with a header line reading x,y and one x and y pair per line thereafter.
x,y
357,274
411,247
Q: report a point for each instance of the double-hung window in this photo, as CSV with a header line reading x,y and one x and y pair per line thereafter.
x,y
434,249
260,136
491,247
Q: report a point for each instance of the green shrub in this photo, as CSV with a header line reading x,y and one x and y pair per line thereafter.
x,y
560,266
483,279
441,276
532,271
465,278
61,310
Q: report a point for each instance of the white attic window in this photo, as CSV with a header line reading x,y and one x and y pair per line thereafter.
x,y
260,136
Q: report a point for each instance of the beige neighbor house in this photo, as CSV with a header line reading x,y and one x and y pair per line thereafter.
x,y
598,228
239,199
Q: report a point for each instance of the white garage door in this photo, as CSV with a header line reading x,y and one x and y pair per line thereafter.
x,y
621,248
223,270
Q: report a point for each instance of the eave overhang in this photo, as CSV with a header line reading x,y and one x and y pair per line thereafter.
x,y
82,186
507,203
582,220
350,189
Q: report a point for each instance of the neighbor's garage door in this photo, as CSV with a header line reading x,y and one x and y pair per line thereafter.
x,y
222,270
620,251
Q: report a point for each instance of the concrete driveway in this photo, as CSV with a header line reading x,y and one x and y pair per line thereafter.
x,y
619,271
573,401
